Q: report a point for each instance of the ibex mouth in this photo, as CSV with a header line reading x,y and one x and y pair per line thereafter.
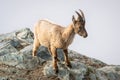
x,y
85,36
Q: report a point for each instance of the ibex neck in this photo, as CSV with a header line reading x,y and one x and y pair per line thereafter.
x,y
68,33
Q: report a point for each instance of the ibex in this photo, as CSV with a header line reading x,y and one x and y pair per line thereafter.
x,y
54,36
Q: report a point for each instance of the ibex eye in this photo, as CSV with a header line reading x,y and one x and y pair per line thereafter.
x,y
80,28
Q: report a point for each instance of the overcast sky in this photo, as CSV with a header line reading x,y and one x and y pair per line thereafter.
x,y
102,22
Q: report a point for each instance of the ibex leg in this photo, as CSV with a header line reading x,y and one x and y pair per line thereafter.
x,y
66,58
36,45
54,58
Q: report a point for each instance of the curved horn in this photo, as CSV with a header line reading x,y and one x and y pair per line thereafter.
x,y
82,14
78,14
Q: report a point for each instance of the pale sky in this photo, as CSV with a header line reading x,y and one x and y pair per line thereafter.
x,y
102,22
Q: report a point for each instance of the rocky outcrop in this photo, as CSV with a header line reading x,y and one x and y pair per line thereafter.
x,y
17,63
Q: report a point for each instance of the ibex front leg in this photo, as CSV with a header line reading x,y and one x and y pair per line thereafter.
x,y
36,45
66,58
54,58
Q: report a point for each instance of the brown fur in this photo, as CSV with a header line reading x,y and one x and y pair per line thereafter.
x,y
54,36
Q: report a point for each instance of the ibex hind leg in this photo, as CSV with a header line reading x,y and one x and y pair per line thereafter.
x,y
36,45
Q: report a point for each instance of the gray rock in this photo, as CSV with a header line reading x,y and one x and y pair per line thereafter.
x,y
80,71
7,47
74,56
77,71
109,73
11,59
24,36
4,78
16,61
16,49
43,53
30,63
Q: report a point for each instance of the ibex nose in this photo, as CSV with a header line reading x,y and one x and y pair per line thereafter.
x,y
85,35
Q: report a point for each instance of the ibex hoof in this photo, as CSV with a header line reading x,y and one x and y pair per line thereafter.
x,y
56,71
34,55
69,66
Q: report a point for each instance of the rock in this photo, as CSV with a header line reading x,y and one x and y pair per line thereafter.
x,y
7,47
24,36
109,73
4,78
77,71
16,49
17,63
43,53
80,71
74,56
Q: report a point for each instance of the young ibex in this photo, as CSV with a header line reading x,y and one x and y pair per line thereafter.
x,y
54,36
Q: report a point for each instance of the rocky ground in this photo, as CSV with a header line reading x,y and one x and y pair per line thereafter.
x,y
17,63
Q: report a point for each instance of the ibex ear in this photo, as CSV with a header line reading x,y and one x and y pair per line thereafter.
x,y
73,19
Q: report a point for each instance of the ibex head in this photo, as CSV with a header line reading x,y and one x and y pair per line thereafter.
x,y
79,24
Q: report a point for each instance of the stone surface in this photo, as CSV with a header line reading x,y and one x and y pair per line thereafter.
x,y
77,71
80,71
17,63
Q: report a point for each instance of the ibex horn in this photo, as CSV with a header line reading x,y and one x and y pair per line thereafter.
x,y
82,14
78,14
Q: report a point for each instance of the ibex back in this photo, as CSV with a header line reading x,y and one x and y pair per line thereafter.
x,y
54,36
